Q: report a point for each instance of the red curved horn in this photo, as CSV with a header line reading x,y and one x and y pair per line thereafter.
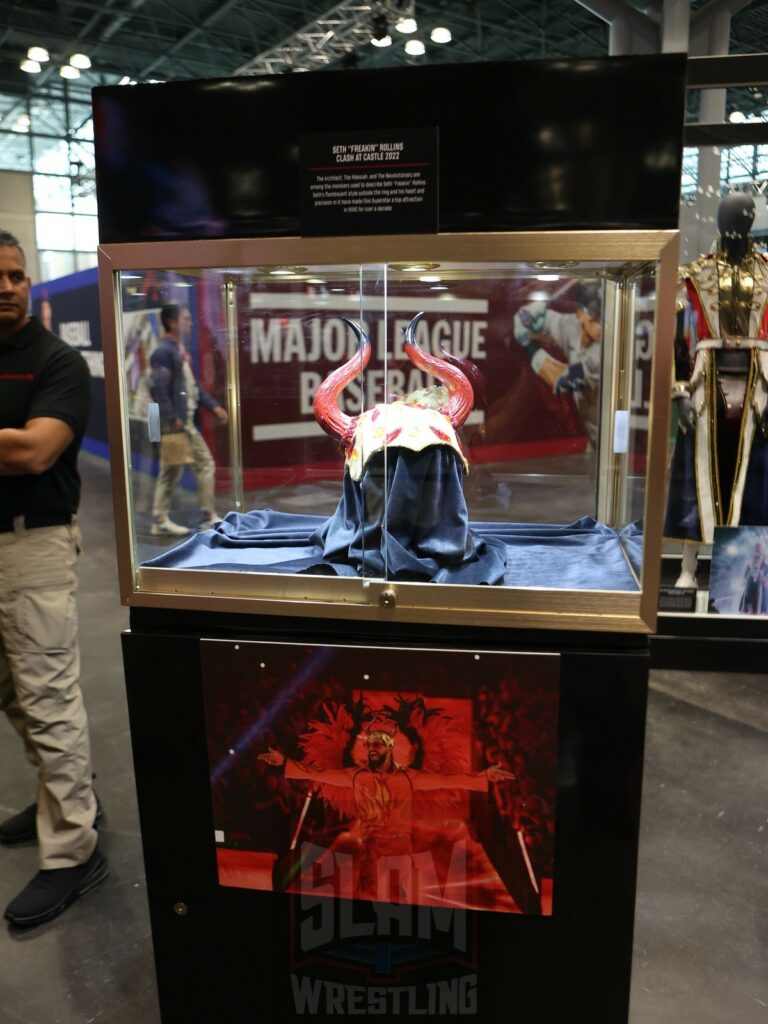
x,y
327,412
460,396
471,371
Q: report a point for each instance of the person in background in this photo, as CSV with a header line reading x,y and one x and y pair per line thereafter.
x,y
178,394
44,405
754,598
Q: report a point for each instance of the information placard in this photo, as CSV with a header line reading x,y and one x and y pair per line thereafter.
x,y
369,182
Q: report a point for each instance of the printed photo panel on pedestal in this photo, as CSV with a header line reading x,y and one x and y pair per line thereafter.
x,y
331,778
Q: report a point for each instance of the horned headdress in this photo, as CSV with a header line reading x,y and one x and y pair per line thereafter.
x,y
407,425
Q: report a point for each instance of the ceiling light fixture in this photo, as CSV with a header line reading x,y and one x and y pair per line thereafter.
x,y
380,31
415,47
38,53
80,60
737,117
440,34
406,25
283,271
32,67
414,268
67,71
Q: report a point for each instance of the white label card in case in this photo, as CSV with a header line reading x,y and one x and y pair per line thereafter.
x,y
153,421
621,432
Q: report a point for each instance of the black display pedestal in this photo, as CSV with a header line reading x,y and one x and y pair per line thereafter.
x,y
228,955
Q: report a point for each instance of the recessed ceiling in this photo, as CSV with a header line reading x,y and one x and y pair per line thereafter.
x,y
167,39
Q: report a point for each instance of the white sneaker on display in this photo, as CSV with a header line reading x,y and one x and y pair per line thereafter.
x,y
209,521
686,579
688,566
167,528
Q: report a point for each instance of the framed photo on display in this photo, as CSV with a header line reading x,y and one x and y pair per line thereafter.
x,y
416,777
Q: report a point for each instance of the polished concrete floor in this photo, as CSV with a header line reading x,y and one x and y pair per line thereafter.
x,y
701,940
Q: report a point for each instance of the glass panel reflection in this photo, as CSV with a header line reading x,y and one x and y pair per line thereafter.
x,y
297,328
473,424
176,393
518,487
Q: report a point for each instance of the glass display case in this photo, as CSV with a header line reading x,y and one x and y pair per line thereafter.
x,y
463,429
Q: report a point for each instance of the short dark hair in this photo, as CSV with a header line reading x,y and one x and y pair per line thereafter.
x,y
9,241
168,316
593,310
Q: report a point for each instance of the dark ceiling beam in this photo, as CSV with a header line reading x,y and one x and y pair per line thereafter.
x,y
702,19
18,41
143,26
592,30
621,13
223,9
732,71
523,16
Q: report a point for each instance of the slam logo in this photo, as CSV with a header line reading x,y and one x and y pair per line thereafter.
x,y
380,957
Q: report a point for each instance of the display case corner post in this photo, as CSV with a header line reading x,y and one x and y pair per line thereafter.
x,y
659,410
110,307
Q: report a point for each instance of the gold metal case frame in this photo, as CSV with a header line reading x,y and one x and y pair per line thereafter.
x,y
620,257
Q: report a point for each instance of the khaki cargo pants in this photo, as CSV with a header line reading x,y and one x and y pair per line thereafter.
x,y
39,692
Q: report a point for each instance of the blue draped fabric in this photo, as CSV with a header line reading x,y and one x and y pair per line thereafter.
x,y
632,541
754,505
683,521
423,534
416,527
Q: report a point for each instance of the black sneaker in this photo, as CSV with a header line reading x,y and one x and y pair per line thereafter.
x,y
51,892
22,827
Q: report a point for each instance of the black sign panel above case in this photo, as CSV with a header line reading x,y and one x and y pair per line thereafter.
x,y
522,146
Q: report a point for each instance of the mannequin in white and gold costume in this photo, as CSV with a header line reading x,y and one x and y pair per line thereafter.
x,y
719,473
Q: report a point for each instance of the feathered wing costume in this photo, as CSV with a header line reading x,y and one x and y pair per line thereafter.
x,y
436,744
423,740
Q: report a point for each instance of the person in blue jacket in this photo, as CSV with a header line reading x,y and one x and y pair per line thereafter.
x,y
179,395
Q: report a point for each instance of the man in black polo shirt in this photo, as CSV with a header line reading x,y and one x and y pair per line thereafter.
x,y
44,404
